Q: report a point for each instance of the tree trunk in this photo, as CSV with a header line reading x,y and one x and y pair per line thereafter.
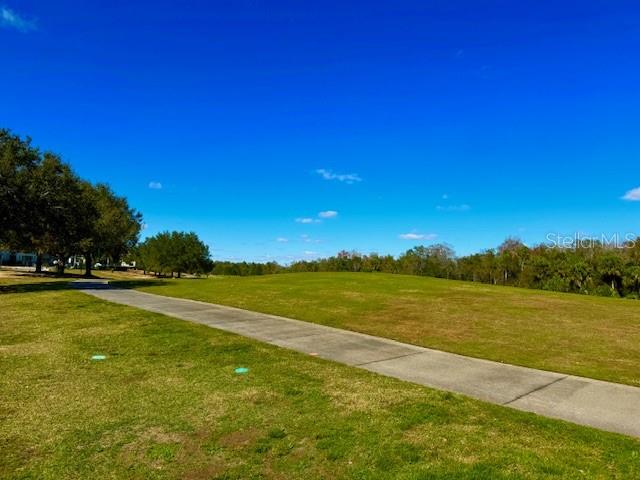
x,y
87,265
60,266
39,263
178,274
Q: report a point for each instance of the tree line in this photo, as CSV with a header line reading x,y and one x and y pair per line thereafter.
x,y
593,269
47,209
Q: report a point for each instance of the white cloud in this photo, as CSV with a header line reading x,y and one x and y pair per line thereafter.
x,y
328,214
10,19
309,252
282,240
321,215
348,178
632,195
418,236
307,220
155,185
307,239
454,208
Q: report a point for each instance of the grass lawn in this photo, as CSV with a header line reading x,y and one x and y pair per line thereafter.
x,y
10,278
166,403
16,281
588,336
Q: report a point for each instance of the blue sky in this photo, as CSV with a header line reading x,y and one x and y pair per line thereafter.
x,y
404,122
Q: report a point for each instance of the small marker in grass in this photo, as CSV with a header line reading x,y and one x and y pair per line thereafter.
x,y
313,354
241,370
98,357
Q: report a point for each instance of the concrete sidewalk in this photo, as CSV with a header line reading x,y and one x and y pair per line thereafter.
x,y
604,405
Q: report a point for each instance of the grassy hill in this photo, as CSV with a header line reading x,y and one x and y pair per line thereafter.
x,y
588,336
166,403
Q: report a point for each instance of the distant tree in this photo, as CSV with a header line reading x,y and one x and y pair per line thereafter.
x,y
610,267
489,268
512,255
632,250
436,261
153,253
188,253
372,263
174,252
579,275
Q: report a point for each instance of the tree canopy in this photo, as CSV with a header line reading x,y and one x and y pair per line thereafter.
x,y
173,252
46,208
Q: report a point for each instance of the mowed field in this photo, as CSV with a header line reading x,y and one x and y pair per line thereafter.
x,y
166,403
589,336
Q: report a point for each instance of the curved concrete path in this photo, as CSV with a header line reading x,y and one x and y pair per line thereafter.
x,y
608,406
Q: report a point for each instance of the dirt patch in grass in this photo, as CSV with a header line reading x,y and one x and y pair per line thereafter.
x,y
25,349
207,472
354,395
241,438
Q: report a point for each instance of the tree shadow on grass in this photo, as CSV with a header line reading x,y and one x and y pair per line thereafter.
x,y
34,287
61,285
36,282
142,283
131,284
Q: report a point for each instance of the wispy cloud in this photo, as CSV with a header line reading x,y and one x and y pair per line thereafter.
x,y
155,185
10,19
328,214
454,208
348,178
418,236
632,195
307,220
307,239
309,252
282,240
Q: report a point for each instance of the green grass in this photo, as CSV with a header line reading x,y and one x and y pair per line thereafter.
x,y
588,336
10,278
166,404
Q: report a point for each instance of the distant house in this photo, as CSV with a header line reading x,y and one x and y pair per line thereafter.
x,y
17,259
24,259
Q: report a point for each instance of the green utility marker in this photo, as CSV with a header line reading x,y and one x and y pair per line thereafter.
x,y
98,357
241,370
